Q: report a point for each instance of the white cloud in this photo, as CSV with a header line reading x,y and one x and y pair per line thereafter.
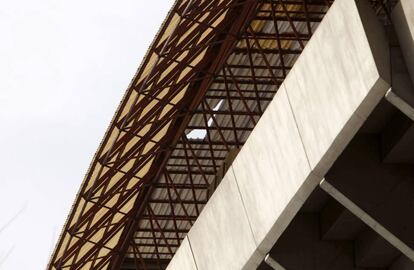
x,y
63,70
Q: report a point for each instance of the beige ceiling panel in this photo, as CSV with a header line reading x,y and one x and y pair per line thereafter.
x,y
128,205
199,57
128,165
204,35
178,97
170,28
141,173
187,33
95,175
167,71
162,132
219,19
88,265
115,179
164,92
114,136
96,262
113,200
103,252
117,217
106,266
79,210
182,55
131,143
67,239
101,212
84,249
69,262
96,237
131,100
167,109
184,72
115,239
204,17
148,67
82,229
144,130
148,108
132,182
148,147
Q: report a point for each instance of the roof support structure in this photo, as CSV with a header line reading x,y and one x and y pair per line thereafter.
x,y
202,87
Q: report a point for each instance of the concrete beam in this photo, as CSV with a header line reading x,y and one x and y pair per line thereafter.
x,y
376,187
403,20
337,81
273,173
367,219
401,95
398,101
273,263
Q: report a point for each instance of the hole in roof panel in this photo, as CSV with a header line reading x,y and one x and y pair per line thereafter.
x,y
197,134
200,134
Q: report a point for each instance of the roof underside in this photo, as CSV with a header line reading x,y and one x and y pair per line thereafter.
x,y
203,85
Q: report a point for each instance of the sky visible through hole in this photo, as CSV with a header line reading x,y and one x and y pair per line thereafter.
x,y
200,134
63,70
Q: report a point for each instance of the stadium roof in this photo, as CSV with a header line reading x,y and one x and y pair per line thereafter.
x,y
204,83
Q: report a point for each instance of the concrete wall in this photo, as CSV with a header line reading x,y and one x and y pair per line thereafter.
x,y
403,19
183,258
333,87
402,94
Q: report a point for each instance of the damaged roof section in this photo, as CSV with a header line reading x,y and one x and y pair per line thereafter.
x,y
201,89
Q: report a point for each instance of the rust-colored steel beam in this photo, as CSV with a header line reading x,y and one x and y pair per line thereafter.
x,y
206,80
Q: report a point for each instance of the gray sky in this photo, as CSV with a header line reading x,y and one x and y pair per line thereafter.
x,y
64,66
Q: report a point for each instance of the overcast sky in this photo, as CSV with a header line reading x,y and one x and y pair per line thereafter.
x,y
64,66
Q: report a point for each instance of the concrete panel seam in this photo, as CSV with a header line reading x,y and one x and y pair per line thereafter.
x,y
192,253
297,128
244,207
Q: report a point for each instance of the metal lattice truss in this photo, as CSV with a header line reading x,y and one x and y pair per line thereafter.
x,y
206,80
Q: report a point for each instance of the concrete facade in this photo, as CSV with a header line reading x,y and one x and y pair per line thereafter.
x,y
223,230
337,81
403,19
331,92
183,258
272,147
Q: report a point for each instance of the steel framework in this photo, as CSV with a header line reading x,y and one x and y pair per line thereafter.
x,y
202,87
